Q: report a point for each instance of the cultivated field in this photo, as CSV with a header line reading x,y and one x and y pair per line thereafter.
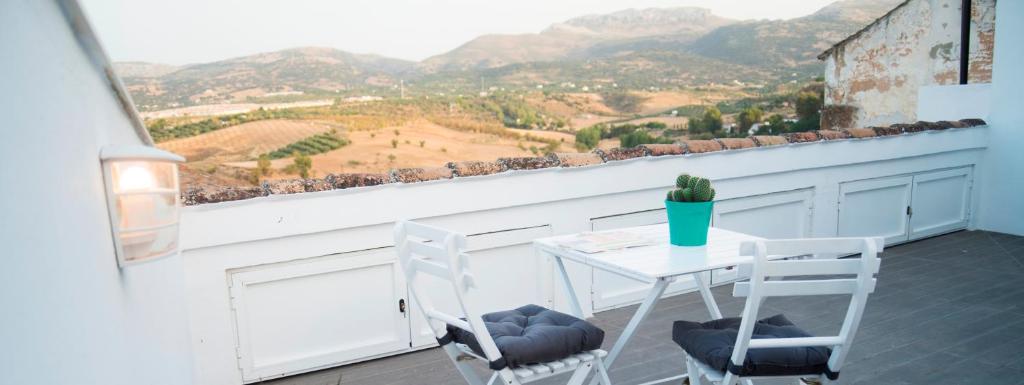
x,y
587,120
373,150
243,141
569,140
670,121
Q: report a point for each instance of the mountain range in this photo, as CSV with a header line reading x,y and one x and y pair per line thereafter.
x,y
633,49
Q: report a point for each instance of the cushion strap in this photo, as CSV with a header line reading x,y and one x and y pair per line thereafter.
x,y
738,370
445,339
734,369
831,375
498,364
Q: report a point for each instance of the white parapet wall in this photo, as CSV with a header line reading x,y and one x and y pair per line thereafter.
x,y
952,102
286,284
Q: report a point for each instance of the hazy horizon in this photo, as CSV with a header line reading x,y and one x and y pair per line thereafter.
x,y
194,31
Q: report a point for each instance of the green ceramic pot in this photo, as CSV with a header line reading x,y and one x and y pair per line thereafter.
x,y
688,222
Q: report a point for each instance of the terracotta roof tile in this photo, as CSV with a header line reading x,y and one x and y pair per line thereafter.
x,y
769,140
621,153
953,123
664,149
973,122
887,131
736,143
832,134
860,132
908,127
413,175
214,194
527,163
474,168
701,146
802,137
573,159
284,186
932,125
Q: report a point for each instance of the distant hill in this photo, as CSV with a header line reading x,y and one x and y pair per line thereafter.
x,y
635,48
790,44
136,69
572,39
309,69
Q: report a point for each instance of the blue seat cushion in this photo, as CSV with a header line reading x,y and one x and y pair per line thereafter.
x,y
533,334
712,343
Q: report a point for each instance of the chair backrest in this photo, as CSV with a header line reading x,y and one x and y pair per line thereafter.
x,y
850,276
427,251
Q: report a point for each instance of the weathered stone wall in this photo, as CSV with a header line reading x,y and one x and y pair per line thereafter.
x,y
879,70
213,194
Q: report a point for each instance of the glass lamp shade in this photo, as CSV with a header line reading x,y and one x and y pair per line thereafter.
x,y
142,197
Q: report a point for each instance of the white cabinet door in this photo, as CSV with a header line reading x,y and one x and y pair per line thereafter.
x,y
875,208
507,270
774,216
940,203
305,315
611,290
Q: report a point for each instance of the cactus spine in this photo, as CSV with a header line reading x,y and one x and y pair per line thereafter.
x,y
702,190
688,195
691,189
682,181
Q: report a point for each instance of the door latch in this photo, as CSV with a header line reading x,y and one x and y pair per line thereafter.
x,y
401,306
910,211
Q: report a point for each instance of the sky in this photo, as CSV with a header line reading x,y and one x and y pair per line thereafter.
x,y
198,31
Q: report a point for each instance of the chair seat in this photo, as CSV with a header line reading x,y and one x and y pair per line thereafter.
x,y
711,343
532,335
564,365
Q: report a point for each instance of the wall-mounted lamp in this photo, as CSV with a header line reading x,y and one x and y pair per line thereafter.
x,y
143,200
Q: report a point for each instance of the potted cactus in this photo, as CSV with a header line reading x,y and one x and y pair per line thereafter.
x,y
689,210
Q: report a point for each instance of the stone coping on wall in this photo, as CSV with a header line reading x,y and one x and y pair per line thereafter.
x,y
214,194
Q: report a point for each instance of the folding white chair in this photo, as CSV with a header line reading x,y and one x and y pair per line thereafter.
x,y
426,252
809,277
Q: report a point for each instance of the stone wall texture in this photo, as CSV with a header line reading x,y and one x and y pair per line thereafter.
x,y
878,71
468,169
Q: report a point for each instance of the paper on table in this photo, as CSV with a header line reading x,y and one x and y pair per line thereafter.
x,y
611,240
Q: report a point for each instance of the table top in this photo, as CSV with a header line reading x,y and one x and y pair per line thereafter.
x,y
660,260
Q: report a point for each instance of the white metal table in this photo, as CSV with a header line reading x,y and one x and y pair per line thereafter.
x,y
658,265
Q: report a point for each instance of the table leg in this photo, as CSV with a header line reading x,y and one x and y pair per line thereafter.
x,y
709,299
641,313
574,301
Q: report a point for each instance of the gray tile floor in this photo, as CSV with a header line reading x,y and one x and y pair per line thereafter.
x,y
948,310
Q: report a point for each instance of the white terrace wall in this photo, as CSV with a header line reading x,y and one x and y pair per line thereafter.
x,y
69,315
1002,207
880,70
286,284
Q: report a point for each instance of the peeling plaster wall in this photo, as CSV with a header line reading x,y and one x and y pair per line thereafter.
x,y
880,70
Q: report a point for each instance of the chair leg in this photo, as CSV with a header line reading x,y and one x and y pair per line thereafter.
x,y
602,372
464,369
730,379
580,374
507,377
692,373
